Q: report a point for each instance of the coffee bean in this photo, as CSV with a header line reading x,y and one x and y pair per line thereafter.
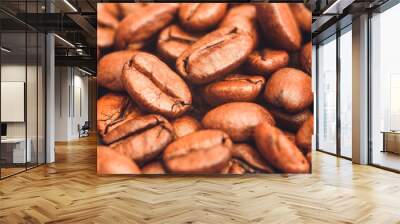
x,y
288,121
201,16
142,138
304,135
305,58
128,8
136,29
105,37
153,168
289,89
173,41
234,88
267,61
112,162
235,167
279,26
114,109
106,18
185,125
109,69
248,154
303,16
155,87
279,151
290,136
237,119
204,151
214,55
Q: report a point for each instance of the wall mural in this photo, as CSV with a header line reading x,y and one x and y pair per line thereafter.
x,y
204,88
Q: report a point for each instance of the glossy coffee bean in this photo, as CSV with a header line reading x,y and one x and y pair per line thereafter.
x,y
289,121
237,119
201,16
214,55
267,61
290,136
303,16
128,8
173,41
154,86
153,168
234,88
185,125
109,69
236,167
204,151
248,154
136,29
105,17
304,135
279,151
289,89
305,58
114,109
142,138
112,162
279,26
105,37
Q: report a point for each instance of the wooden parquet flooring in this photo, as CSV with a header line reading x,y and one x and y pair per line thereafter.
x,y
69,191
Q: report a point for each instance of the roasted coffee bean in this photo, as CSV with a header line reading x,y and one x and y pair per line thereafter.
x,y
204,151
105,37
267,61
173,41
248,154
114,109
142,138
234,88
235,167
154,86
279,26
243,17
153,168
105,17
201,16
289,89
304,135
112,162
109,69
288,121
303,16
237,119
128,8
309,158
136,29
290,136
214,55
185,125
305,58
279,151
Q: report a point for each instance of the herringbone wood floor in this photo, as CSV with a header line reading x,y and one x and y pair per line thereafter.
x,y
69,191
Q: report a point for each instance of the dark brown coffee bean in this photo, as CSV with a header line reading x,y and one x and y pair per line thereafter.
x,y
185,125
201,16
237,119
279,151
214,55
105,17
305,58
154,168
248,154
290,136
279,26
155,87
114,109
112,162
142,138
173,41
289,89
135,30
236,167
105,37
303,16
234,88
109,69
288,121
205,151
304,135
267,61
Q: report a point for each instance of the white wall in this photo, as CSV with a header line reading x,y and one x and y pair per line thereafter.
x,y
70,84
